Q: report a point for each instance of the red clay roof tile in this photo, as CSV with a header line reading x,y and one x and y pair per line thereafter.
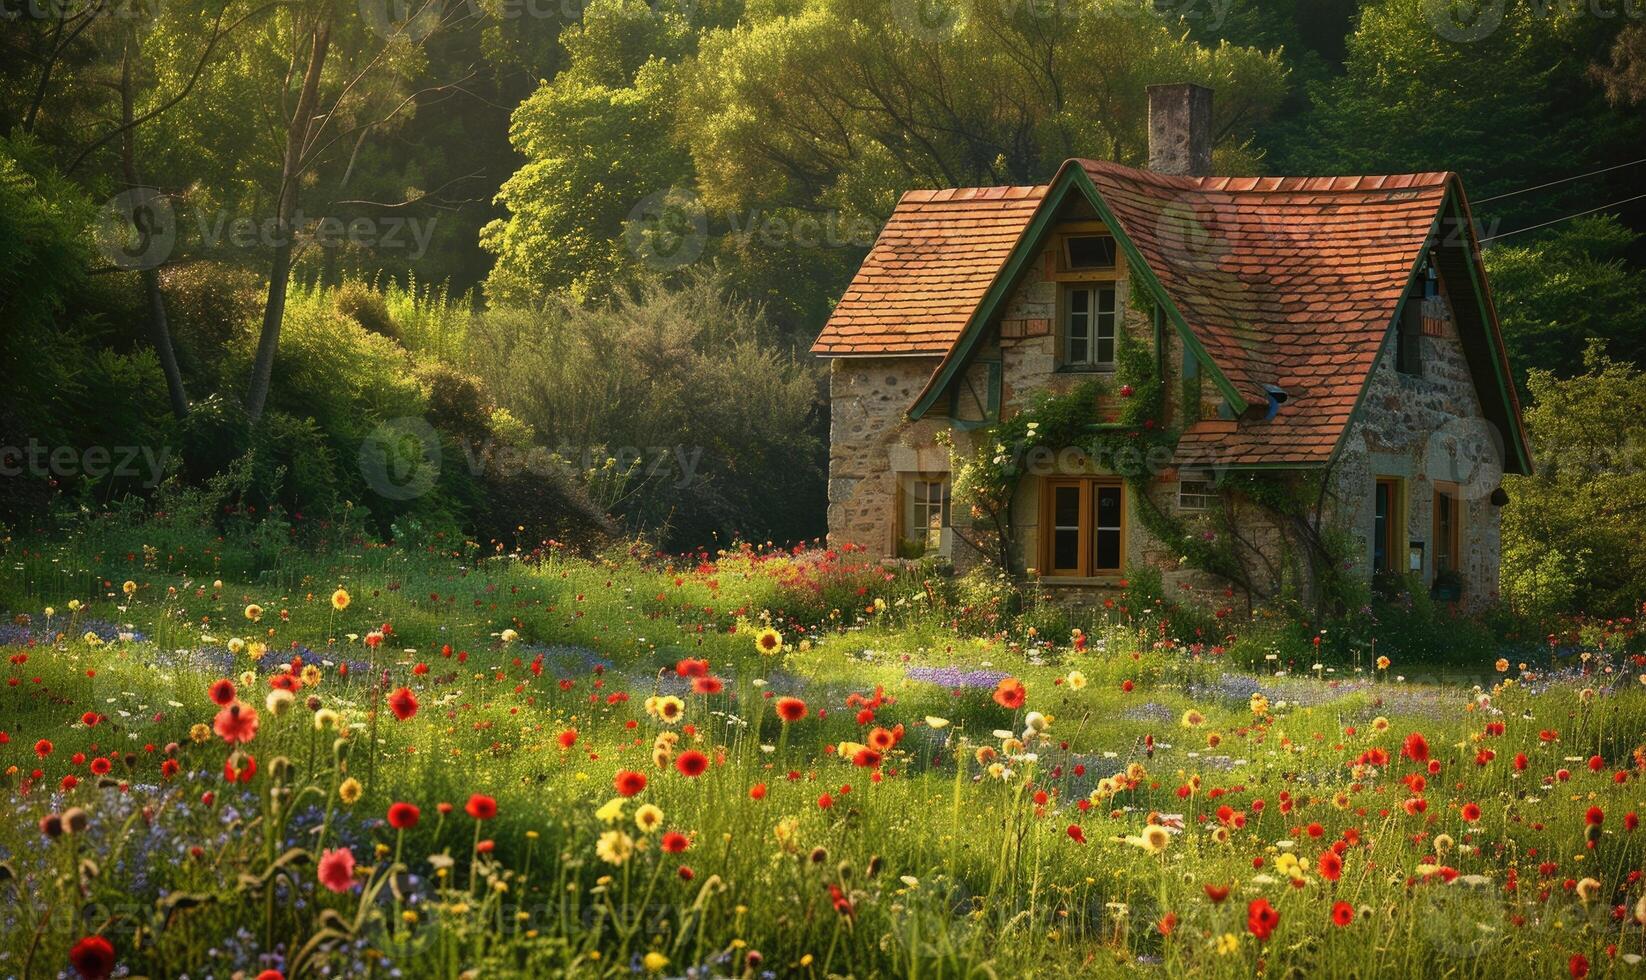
x,y
1286,281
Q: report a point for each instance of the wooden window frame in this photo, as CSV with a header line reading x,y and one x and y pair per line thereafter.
x,y
1087,527
1454,540
1058,268
902,528
1065,312
1394,526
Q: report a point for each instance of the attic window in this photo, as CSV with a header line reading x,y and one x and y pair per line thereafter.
x,y
1409,331
1088,252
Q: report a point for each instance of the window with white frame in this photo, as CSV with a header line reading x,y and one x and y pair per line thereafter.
x,y
1089,326
1196,492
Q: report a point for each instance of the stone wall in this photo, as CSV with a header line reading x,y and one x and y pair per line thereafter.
x,y
870,441
1412,427
1423,428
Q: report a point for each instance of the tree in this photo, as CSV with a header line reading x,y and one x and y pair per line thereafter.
x,y
1572,530
1624,75
847,103
599,143
1505,100
1559,294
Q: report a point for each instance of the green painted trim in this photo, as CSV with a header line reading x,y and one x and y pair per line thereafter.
x,y
1134,261
1450,206
1028,244
1394,324
1488,323
996,294
991,402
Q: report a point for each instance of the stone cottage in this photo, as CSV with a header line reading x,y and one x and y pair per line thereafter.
x,y
1335,330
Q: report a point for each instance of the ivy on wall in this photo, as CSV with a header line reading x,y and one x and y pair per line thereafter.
x,y
1115,421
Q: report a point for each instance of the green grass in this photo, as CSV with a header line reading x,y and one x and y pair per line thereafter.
x,y
947,868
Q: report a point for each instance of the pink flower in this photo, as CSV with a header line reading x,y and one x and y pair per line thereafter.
x,y
337,869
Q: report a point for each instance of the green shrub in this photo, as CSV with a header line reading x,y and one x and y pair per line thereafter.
x,y
210,305
365,306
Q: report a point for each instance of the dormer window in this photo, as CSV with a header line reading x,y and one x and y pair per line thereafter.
x,y
1088,253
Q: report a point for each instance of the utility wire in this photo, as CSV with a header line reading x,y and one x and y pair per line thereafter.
x,y
1563,180
1568,217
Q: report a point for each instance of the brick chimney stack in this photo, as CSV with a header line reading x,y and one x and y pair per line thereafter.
x,y
1180,130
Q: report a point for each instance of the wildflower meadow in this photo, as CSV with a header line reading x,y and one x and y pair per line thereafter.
x,y
379,761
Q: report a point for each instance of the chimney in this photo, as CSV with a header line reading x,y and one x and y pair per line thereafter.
x,y
1180,130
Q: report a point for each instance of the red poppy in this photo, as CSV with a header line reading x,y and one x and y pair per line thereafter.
x,y
91,718
757,791
236,723
1578,966
1010,693
337,869
1471,812
866,758
691,668
1594,817
691,763
1261,918
43,748
1415,748
1331,865
791,709
239,768
1343,913
222,692
825,801
1217,893
403,816
481,807
674,842
403,703
1076,834
628,782
568,738
707,685
92,958
271,975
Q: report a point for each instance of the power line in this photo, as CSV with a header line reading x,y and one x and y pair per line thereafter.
x,y
1563,180
1568,217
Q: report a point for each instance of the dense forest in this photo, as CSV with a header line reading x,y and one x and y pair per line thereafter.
x,y
513,269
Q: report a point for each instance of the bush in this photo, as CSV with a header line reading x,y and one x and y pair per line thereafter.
x,y
365,306
210,305
724,433
457,405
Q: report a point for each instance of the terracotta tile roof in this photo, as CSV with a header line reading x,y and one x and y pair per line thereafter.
x,y
928,270
1286,281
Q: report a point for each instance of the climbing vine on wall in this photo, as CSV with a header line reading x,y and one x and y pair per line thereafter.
x,y
1116,423
1114,420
